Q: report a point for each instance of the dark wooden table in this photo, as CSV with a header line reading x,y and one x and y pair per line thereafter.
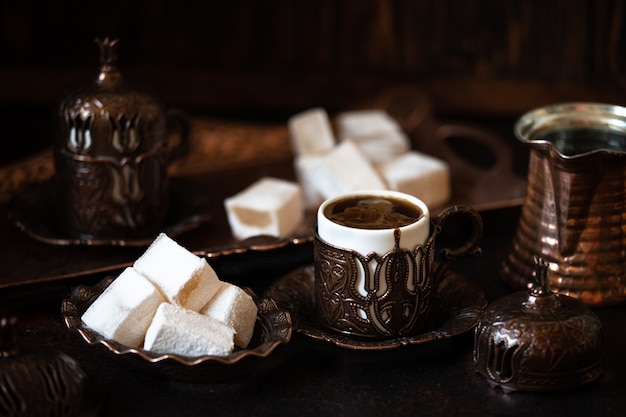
x,y
305,377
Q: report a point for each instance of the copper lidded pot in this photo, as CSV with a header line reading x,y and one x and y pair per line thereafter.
x,y
574,213
110,156
536,340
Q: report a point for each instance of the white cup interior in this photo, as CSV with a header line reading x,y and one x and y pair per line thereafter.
x,y
365,241
368,241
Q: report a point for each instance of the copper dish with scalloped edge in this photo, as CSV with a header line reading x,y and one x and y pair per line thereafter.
x,y
272,329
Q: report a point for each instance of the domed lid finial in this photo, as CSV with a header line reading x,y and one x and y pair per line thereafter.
x,y
108,50
539,285
108,60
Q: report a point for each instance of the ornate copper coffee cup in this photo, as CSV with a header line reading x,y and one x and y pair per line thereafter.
x,y
388,294
111,157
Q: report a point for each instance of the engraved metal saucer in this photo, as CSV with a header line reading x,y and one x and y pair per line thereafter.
x,y
460,303
33,212
273,328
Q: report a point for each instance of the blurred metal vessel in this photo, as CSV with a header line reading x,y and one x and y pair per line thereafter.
x,y
110,156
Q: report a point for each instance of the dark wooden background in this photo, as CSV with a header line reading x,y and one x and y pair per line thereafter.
x,y
268,59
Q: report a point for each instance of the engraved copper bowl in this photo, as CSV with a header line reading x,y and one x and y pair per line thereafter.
x,y
273,328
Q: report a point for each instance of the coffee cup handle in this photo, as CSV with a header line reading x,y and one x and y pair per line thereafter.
x,y
471,247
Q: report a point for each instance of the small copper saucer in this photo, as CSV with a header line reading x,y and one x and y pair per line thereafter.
x,y
460,304
273,328
33,212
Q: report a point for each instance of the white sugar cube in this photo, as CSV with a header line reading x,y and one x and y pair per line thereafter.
x,y
125,309
310,132
421,175
357,123
270,206
187,333
235,308
306,168
383,146
184,278
345,169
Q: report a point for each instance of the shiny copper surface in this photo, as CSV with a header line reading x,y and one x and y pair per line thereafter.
x,y
574,212
536,340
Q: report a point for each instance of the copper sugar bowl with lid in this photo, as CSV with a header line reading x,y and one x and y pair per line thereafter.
x,y
574,213
110,156
537,340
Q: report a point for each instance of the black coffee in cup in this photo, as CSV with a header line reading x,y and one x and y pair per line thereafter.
x,y
367,212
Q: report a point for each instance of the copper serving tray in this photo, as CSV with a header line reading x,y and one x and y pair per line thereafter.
x,y
225,157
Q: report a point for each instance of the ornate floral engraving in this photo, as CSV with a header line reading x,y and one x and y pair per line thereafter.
x,y
538,340
125,132
397,296
78,128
